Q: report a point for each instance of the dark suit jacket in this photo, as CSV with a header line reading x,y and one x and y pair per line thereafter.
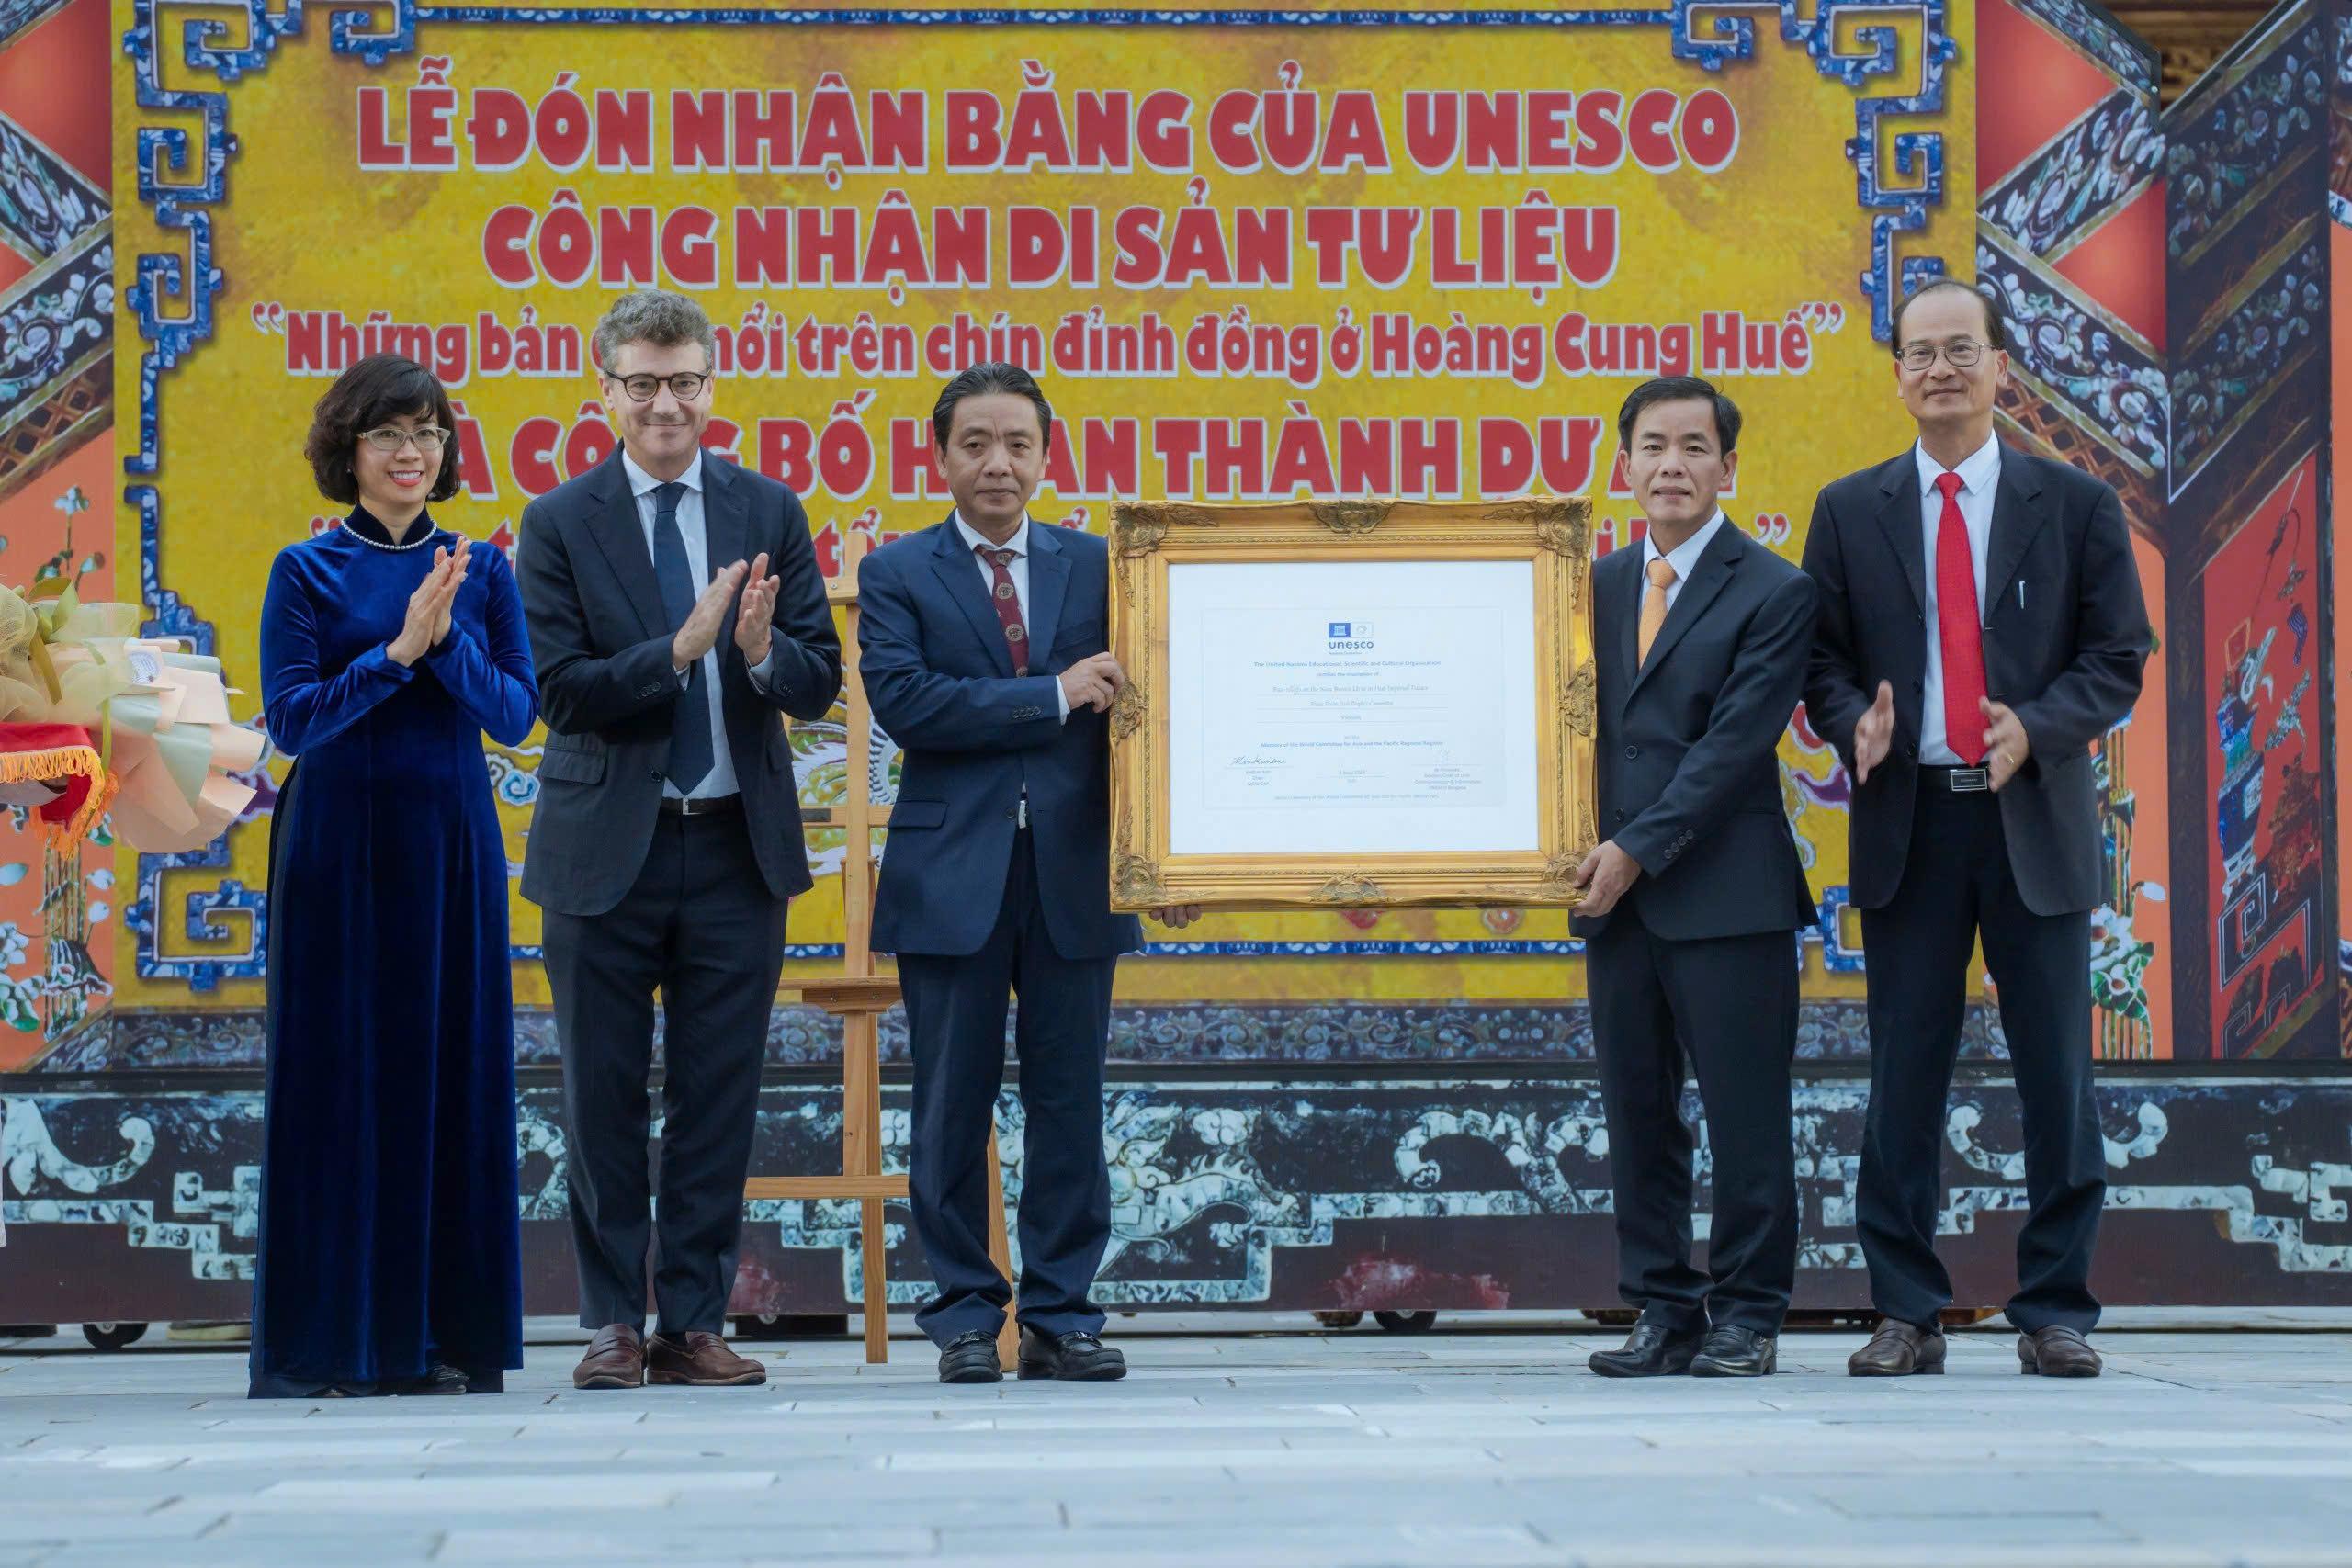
x,y
601,641
2067,661
1687,749
936,666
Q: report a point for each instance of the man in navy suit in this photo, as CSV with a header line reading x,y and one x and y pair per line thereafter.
x,y
1701,636
984,656
666,843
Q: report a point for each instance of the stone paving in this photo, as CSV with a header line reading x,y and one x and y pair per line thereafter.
x,y
1481,1445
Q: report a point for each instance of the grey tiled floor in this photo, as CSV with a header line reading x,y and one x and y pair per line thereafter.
x,y
1465,1448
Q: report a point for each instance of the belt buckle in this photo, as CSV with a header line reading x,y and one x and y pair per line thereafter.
x,y
1971,781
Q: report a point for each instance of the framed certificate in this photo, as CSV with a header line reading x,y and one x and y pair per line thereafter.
x,y
1340,704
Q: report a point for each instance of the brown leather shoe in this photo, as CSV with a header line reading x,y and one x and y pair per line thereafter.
x,y
616,1358
700,1359
1899,1349
2056,1353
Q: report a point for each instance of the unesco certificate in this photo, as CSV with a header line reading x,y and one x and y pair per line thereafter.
x,y
1358,707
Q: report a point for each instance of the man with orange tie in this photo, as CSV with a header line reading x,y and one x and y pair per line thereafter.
x,y
1981,627
1690,906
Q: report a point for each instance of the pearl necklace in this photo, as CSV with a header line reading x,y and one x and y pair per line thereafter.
x,y
425,537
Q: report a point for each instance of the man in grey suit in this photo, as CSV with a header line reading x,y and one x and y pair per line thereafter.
x,y
667,838
1700,638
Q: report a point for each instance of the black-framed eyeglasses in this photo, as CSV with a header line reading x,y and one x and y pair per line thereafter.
x,y
686,385
1959,356
391,438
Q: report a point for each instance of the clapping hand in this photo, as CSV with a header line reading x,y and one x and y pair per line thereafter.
x,y
755,616
1874,734
456,561
2006,746
427,621
700,635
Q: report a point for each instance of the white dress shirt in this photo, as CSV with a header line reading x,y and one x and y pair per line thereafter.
x,y
1979,472
1684,557
720,780
1017,568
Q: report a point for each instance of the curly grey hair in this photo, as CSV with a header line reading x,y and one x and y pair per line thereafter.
x,y
657,317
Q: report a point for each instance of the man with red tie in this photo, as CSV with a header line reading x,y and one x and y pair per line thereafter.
x,y
1981,627
985,655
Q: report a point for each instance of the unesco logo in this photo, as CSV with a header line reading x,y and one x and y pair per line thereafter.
x,y
1344,636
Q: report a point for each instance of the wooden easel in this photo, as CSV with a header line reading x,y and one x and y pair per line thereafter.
x,y
859,998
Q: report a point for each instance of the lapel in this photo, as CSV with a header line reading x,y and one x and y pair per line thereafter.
x,y
959,573
1707,578
1899,515
726,518
2016,520
1048,582
619,532
1620,587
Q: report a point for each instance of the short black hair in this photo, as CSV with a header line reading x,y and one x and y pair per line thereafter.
x,y
380,387
1679,389
1996,324
978,382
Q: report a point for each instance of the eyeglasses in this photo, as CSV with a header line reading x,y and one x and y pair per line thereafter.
x,y
391,438
1959,356
686,385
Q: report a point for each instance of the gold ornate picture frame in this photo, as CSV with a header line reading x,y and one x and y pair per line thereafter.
x,y
1553,537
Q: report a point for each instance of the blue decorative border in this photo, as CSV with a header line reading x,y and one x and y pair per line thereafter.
x,y
20,15
191,282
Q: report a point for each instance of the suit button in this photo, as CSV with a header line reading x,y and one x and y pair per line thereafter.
x,y
1632,752
1912,752
1620,816
1918,685
1007,814
655,776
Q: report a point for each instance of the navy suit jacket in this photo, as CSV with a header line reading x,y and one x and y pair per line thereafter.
x,y
601,641
2067,640
1688,747
939,673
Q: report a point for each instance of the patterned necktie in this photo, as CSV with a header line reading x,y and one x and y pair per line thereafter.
x,y
1959,631
690,751
1661,576
1008,603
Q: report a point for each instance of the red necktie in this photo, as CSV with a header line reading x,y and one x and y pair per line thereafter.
x,y
1957,626
1008,606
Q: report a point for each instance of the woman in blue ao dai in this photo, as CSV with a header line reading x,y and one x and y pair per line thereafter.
x,y
389,1258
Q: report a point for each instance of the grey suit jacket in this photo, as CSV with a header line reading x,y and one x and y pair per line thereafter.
x,y
608,689
1687,741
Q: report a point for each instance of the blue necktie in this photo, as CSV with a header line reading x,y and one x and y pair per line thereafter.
x,y
690,755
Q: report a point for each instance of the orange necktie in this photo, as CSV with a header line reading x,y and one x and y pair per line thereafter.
x,y
1661,576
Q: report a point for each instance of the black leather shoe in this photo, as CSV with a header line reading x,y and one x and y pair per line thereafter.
x,y
970,1357
1077,1356
1733,1352
1651,1350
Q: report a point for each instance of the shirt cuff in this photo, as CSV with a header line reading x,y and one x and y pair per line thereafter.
x,y
764,674
1061,697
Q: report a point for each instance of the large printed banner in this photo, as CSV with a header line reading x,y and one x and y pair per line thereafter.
x,y
1249,258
